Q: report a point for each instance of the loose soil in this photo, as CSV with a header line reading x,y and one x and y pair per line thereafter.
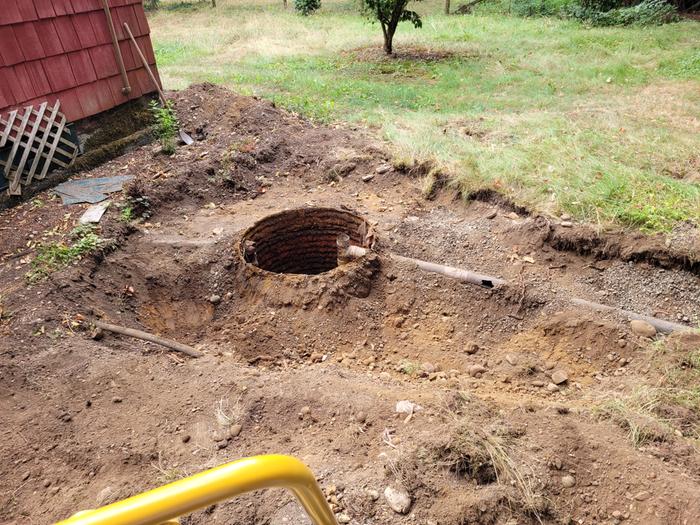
x,y
313,365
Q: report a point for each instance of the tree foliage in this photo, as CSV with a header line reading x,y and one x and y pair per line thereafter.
x,y
306,7
390,13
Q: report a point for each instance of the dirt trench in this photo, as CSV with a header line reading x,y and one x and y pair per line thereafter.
x,y
312,363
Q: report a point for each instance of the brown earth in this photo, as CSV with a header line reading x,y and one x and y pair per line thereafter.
x,y
313,365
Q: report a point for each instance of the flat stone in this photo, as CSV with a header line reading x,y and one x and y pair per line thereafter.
x,y
559,377
642,496
368,178
642,328
398,499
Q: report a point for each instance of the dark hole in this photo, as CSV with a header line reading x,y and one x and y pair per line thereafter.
x,y
302,241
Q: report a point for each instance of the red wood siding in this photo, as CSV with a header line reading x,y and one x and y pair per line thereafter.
x,y
62,49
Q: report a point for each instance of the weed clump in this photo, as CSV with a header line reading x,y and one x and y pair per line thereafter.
x,y
54,256
166,125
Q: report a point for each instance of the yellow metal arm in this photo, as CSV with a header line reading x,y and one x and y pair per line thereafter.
x,y
212,486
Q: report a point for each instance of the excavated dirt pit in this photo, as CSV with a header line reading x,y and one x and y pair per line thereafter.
x,y
302,241
305,357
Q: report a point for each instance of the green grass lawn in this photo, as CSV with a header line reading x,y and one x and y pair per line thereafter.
x,y
603,124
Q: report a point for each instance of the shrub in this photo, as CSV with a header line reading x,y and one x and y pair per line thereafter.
x,y
534,8
646,13
307,7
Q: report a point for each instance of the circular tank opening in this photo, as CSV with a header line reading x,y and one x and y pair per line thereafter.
x,y
302,241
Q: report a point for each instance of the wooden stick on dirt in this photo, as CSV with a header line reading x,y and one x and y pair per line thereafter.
x,y
145,64
138,334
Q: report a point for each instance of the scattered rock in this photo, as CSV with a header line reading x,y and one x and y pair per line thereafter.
x,y
384,168
235,430
476,370
373,495
491,215
215,299
316,357
568,481
471,348
368,178
642,328
47,483
565,217
551,387
186,438
428,368
559,377
407,407
538,384
305,411
117,399
343,518
642,496
566,224
512,359
398,499
360,417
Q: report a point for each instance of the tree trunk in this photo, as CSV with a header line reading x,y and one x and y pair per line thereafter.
x,y
447,7
389,40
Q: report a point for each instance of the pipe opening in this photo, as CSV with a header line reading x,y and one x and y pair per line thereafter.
x,y
303,241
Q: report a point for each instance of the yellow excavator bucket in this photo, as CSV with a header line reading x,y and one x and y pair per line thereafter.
x,y
166,504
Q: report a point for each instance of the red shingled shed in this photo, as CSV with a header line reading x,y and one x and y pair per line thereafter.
x,y
62,49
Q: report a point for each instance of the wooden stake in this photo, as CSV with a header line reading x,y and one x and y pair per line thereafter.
x,y
139,334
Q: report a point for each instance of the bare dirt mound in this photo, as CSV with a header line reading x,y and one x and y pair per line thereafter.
x,y
524,409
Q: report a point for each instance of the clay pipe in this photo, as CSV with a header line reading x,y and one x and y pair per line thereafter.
x,y
487,281
117,51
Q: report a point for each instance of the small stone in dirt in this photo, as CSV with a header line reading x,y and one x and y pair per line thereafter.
x,y
642,496
222,444
428,368
26,476
512,359
97,334
186,438
47,483
343,518
476,370
642,328
373,495
368,178
407,407
384,168
215,299
117,399
316,357
551,387
360,417
565,217
559,377
305,411
54,490
568,481
538,384
398,499
617,515
235,430
513,216
471,348
566,224
491,215
621,343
